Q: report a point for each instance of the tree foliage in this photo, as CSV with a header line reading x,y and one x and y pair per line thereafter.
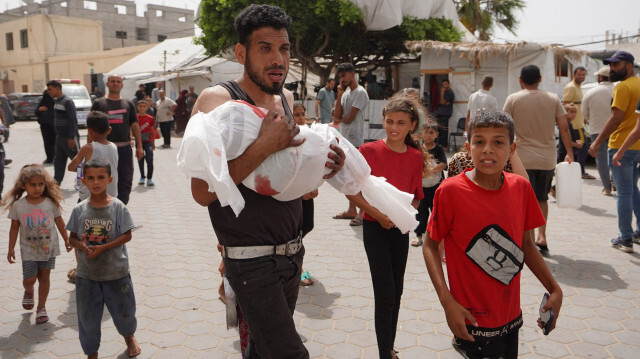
x,y
324,33
481,16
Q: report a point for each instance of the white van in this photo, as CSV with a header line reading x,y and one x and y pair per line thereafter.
x,y
80,96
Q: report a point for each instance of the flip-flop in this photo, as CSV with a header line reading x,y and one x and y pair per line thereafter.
x,y
305,279
542,247
42,316
343,215
71,275
27,301
416,243
355,222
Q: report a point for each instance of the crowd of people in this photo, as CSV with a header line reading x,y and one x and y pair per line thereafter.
x,y
481,220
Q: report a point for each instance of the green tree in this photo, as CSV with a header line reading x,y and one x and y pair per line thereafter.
x,y
324,33
481,16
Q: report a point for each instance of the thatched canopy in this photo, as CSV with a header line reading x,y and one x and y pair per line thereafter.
x,y
478,51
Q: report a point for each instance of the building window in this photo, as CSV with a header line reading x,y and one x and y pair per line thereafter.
x,y
121,34
161,38
63,4
182,19
563,67
142,34
24,38
158,13
90,5
121,9
9,40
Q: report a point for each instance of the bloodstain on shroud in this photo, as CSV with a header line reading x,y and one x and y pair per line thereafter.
x,y
263,186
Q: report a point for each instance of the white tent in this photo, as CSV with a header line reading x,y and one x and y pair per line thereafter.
x,y
464,64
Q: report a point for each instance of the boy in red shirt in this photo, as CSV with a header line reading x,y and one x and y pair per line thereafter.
x,y
485,217
147,126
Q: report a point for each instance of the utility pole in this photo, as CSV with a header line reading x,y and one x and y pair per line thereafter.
x,y
164,67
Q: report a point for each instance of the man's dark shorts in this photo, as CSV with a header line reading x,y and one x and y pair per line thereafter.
x,y
541,183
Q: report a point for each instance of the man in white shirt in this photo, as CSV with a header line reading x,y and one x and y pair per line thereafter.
x,y
596,109
165,106
481,99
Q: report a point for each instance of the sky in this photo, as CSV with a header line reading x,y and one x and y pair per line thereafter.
x,y
567,22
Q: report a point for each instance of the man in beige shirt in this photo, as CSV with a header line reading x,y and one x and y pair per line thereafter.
x,y
536,113
573,93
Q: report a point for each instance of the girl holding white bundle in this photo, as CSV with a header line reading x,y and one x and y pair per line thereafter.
x,y
399,159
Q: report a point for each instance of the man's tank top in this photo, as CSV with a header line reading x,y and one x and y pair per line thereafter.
x,y
107,153
264,220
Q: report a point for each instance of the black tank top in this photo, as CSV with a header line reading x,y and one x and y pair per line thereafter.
x,y
264,220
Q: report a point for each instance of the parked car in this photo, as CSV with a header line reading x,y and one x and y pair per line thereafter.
x,y
80,96
24,104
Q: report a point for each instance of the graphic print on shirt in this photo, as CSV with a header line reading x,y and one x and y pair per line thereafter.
x,y
36,224
96,231
493,250
116,116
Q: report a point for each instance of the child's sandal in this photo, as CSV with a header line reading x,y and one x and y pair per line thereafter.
x,y
27,301
71,275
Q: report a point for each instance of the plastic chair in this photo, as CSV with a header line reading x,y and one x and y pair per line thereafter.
x,y
459,133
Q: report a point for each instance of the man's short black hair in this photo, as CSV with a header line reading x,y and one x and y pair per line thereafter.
x,y
578,69
96,163
446,80
490,117
346,67
254,17
54,83
330,79
530,74
487,81
98,121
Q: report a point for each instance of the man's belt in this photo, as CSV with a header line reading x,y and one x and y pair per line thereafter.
x,y
287,249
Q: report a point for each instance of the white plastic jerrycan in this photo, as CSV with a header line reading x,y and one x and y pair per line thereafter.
x,y
569,185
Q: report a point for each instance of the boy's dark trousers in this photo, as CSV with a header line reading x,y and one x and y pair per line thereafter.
x,y
91,298
267,290
503,347
387,251
148,157
424,209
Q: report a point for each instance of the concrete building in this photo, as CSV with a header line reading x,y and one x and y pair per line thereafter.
x,y
121,27
629,43
41,47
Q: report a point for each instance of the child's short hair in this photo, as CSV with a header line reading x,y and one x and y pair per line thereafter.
x,y
490,117
97,163
299,104
98,121
430,125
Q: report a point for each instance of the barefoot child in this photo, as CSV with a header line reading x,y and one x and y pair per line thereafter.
x,y
398,159
34,216
100,226
484,216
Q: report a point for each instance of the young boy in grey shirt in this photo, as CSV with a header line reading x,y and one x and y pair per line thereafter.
x,y
100,226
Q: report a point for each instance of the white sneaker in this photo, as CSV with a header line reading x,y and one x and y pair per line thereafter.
x,y
150,182
141,181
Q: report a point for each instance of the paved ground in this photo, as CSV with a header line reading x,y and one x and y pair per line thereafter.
x,y
174,268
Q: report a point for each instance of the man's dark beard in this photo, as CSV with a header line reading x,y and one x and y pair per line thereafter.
x,y
618,76
275,87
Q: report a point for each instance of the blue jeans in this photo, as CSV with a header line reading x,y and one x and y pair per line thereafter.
x,y
148,156
602,161
628,196
92,296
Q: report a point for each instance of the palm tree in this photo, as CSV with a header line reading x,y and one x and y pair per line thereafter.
x,y
481,16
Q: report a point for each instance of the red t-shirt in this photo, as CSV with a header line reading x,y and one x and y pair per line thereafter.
x,y
146,127
461,211
402,170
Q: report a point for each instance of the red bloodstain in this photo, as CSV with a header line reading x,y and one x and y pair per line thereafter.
x,y
216,151
263,186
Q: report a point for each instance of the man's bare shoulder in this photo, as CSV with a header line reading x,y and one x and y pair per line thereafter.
x,y
289,96
210,98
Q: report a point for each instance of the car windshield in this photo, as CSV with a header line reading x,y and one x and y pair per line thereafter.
x,y
32,98
76,92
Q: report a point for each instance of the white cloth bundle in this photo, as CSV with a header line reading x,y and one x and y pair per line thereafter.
x,y
210,140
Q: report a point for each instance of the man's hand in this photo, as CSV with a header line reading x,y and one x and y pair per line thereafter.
x,y
593,150
278,132
139,153
71,143
456,314
579,144
616,158
555,302
338,157
340,90
42,108
310,195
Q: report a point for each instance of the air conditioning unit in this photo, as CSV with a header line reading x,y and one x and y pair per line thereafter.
x,y
4,75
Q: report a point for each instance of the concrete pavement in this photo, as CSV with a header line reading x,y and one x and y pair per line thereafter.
x,y
174,265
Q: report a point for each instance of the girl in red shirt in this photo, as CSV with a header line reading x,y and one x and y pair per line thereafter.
x,y
397,158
